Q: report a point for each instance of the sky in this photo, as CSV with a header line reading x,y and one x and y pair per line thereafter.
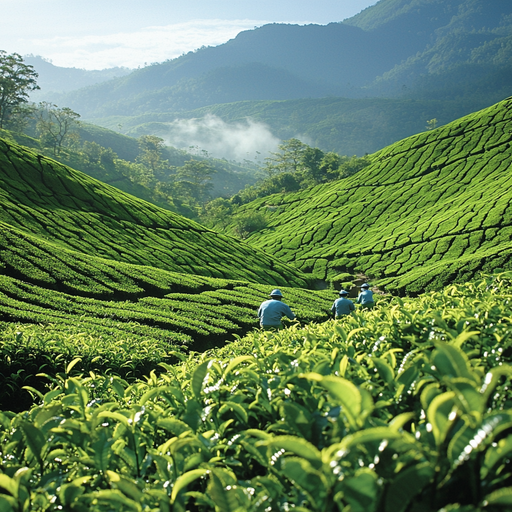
x,y
99,34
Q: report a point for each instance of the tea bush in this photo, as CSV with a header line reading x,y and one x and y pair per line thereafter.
x,y
404,407
429,210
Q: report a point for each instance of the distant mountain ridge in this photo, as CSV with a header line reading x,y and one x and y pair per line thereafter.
x,y
342,59
58,79
457,51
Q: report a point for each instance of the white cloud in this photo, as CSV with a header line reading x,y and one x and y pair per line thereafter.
x,y
248,140
145,46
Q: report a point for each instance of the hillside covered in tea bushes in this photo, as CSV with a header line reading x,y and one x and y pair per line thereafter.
x,y
121,283
405,408
429,210
73,212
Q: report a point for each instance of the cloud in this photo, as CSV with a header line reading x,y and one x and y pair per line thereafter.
x,y
138,48
247,140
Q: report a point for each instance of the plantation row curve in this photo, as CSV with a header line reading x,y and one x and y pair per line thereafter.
x,y
429,210
75,212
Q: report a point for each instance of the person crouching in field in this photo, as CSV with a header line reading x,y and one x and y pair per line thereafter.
x,y
365,298
271,311
342,306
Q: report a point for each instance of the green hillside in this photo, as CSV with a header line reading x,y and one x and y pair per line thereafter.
x,y
119,282
430,209
75,212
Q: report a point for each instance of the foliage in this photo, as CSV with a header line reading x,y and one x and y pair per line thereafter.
x,y
405,407
17,79
429,210
57,126
247,223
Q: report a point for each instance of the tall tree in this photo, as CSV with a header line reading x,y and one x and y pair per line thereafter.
x,y
16,80
151,152
194,179
57,126
288,159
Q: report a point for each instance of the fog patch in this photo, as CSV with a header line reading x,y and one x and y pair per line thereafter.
x,y
245,140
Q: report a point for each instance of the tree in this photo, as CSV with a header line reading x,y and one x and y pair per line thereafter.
x,y
194,179
432,124
16,80
57,126
150,156
289,159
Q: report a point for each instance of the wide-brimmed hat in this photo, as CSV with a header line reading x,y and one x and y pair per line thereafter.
x,y
365,285
343,292
276,293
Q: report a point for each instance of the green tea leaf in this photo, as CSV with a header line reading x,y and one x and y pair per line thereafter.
x,y
451,361
71,365
187,478
438,415
299,447
361,491
35,440
225,500
501,497
235,362
198,378
406,485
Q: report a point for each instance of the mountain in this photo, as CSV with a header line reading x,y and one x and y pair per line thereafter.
x,y
429,210
58,79
354,58
453,55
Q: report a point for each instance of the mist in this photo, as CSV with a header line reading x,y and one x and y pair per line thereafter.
x,y
246,140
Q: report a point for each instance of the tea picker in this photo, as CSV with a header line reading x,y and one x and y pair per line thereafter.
x,y
273,310
342,306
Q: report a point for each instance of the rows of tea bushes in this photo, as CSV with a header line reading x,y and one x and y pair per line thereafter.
x,y
44,329
429,210
70,210
403,408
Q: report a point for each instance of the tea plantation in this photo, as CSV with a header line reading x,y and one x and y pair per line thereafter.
x,y
430,210
403,408
94,273
133,378
72,211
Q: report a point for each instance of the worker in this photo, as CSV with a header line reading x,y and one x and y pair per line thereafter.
x,y
272,311
342,306
365,298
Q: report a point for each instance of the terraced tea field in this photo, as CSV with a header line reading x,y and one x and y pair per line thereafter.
x,y
87,271
75,212
431,209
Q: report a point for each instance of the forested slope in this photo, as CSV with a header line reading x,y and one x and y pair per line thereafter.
x,y
430,209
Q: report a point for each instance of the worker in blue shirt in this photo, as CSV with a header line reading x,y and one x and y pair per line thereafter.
x,y
365,298
342,306
271,311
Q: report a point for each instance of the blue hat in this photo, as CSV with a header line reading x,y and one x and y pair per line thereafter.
x,y
276,293
365,285
343,292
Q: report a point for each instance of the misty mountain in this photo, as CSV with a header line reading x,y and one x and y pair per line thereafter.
x,y
57,79
452,56
390,49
